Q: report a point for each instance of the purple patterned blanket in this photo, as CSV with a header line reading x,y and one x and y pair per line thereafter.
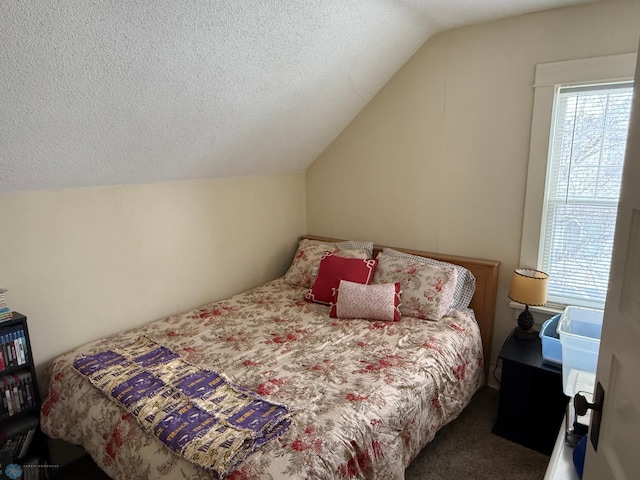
x,y
198,413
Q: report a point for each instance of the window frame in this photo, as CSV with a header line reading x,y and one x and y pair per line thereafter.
x,y
548,78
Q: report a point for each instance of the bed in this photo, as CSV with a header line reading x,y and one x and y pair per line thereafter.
x,y
355,397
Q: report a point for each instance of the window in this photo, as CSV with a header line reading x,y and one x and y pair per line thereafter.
x,y
586,155
578,140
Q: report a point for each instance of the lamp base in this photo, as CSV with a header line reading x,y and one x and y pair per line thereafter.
x,y
522,334
525,322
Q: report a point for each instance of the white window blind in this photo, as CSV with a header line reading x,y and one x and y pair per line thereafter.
x,y
586,155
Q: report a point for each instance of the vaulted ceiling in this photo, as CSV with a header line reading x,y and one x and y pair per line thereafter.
x,y
112,92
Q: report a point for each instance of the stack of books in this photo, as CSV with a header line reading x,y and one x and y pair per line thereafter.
x,y
17,436
5,313
13,348
17,394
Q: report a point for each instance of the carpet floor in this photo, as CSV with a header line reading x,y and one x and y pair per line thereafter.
x,y
464,449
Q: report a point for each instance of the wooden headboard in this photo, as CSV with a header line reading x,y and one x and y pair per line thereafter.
x,y
484,299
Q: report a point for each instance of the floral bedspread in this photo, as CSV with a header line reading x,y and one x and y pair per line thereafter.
x,y
366,396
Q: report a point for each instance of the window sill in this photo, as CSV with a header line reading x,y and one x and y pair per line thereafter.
x,y
540,314
550,310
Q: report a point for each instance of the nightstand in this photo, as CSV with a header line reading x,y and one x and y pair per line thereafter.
x,y
532,404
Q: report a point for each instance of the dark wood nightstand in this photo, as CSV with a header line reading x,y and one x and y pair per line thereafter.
x,y
532,403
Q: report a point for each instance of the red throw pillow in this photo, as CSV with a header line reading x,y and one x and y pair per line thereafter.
x,y
332,269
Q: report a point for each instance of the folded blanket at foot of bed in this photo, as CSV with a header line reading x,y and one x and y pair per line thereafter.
x,y
197,413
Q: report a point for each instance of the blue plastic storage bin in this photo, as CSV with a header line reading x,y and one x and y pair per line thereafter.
x,y
551,346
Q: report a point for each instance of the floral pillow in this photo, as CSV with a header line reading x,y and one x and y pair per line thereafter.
x,y
373,302
465,280
427,290
334,268
305,263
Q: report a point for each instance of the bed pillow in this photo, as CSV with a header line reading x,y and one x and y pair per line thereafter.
x,y
305,263
334,268
465,280
427,290
373,302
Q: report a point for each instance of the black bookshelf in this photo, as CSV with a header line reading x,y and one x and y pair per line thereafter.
x,y
21,441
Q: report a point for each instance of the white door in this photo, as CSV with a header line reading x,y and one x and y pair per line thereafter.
x,y
618,447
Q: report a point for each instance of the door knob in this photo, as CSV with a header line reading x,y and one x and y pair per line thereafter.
x,y
581,406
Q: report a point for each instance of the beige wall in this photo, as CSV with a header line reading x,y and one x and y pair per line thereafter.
x,y
438,159
84,263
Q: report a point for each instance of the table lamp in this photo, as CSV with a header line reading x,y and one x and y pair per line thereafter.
x,y
529,287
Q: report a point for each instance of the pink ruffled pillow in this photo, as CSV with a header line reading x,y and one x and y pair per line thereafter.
x,y
374,302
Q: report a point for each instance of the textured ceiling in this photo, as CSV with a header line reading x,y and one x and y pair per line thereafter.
x,y
109,92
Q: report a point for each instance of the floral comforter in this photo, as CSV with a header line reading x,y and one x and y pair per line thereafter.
x,y
366,395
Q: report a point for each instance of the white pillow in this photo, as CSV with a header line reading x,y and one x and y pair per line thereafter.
x,y
304,266
465,281
427,290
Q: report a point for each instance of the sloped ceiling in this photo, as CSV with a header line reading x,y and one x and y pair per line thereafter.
x,y
109,92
